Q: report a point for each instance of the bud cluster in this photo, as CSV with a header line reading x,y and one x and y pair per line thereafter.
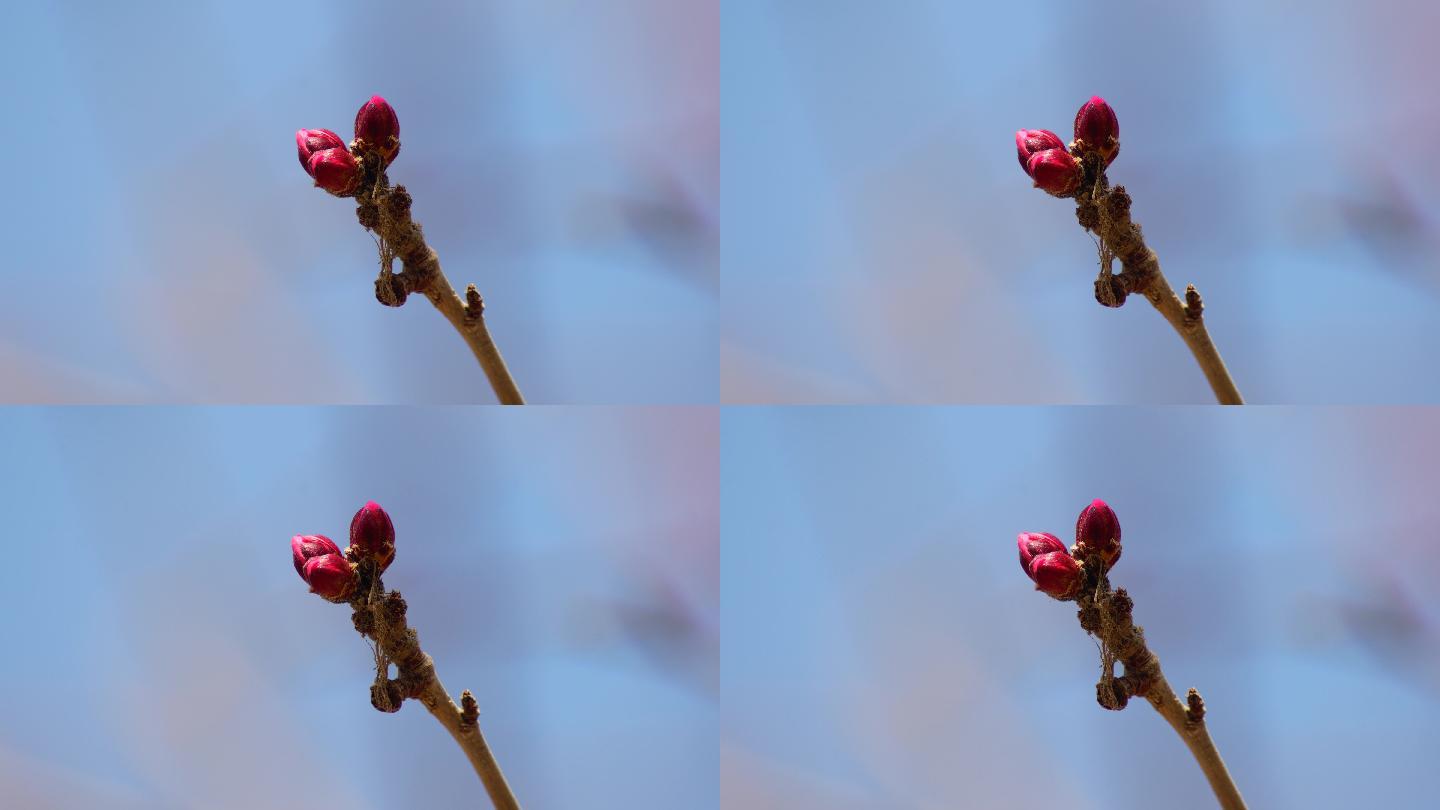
x,y
336,166
1059,571
1055,167
333,574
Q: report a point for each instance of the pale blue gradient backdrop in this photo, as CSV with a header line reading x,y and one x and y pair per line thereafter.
x,y
160,652
882,244
163,245
883,649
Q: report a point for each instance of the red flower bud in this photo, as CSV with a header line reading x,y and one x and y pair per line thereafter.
x,y
331,576
1030,141
1033,544
373,535
1057,574
1097,129
311,141
305,546
319,562
336,171
378,128
1098,532
1055,171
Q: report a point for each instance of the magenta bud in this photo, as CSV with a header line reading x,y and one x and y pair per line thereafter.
x,y
311,141
1055,171
319,562
1097,129
1057,574
331,576
336,171
1098,532
1033,544
378,128
372,534
1031,141
305,546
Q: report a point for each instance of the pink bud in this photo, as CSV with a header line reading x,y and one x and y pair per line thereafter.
x,y
319,562
336,171
372,534
311,141
1031,141
331,576
1033,544
305,546
1055,171
1097,129
1098,532
378,128
1057,574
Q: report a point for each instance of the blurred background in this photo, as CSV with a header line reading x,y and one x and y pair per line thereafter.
x,y
882,245
163,244
160,652
883,649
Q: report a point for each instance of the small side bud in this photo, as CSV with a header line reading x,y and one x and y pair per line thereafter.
x,y
1032,141
1033,544
1055,171
378,128
319,562
1097,531
310,141
372,534
1097,129
1057,574
336,171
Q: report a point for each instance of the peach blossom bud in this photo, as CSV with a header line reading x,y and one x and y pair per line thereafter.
x,y
319,562
1055,171
1033,544
336,171
1097,129
331,576
378,128
372,534
1030,141
311,141
305,546
1057,574
1098,532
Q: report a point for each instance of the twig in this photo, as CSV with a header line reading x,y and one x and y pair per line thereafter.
x,y
386,211
380,616
1106,212
1107,615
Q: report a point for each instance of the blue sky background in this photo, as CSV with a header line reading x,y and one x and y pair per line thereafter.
x,y
163,245
160,651
882,245
883,649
